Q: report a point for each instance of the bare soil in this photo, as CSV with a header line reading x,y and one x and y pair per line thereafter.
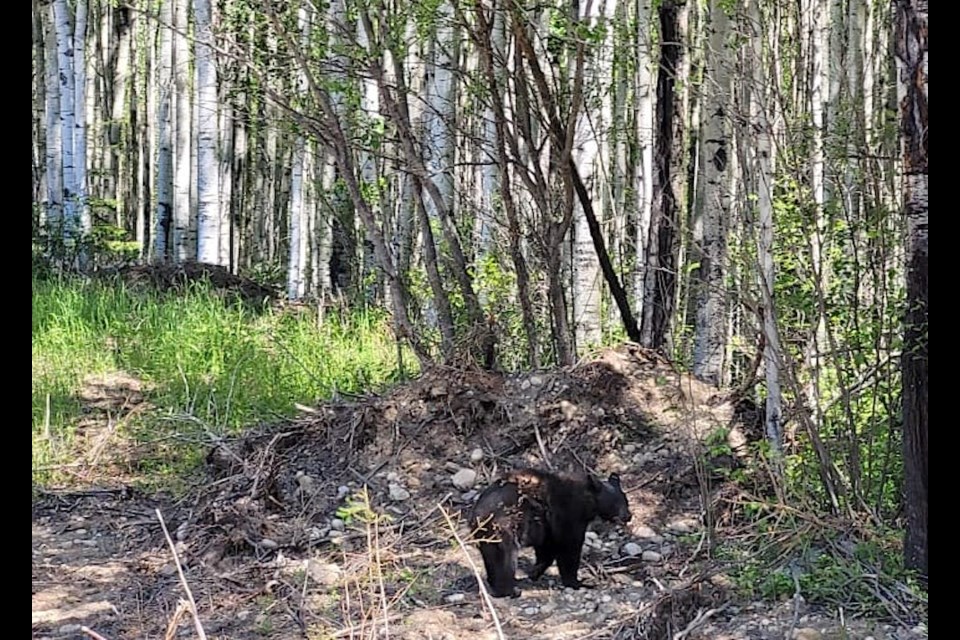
x,y
280,540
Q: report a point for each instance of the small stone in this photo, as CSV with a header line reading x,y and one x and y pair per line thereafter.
x,y
267,543
644,532
393,476
548,608
682,526
568,409
606,597
651,556
244,614
398,493
182,531
531,611
632,549
629,448
315,533
536,380
468,496
524,385
342,491
68,629
335,534
464,479
476,455
806,633
337,524
326,574
454,598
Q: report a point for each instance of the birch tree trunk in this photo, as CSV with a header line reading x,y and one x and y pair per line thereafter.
x,y
764,171
709,331
164,182
53,155
80,133
591,137
644,97
297,220
910,41
67,115
208,178
183,245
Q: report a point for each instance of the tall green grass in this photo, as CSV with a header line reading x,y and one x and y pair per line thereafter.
x,y
208,364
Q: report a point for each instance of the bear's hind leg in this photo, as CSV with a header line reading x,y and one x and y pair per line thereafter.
x,y
568,561
545,557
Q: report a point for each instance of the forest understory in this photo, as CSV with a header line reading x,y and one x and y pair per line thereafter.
x,y
346,521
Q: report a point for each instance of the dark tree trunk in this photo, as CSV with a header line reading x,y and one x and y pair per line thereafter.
x,y
669,134
910,39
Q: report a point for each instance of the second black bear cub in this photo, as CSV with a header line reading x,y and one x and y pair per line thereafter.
x,y
546,511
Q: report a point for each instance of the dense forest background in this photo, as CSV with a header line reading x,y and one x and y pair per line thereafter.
x,y
740,186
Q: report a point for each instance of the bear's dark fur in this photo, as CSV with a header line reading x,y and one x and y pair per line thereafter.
x,y
546,511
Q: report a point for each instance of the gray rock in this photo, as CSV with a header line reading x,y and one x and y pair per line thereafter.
x,y
398,493
632,549
326,574
468,496
476,455
267,543
629,448
342,491
454,598
531,611
651,556
464,479
536,380
393,476
68,629
644,532
337,524
684,525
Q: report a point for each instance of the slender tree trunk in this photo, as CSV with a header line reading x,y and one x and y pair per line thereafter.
x,y
67,115
709,330
208,179
661,283
183,245
164,89
53,158
80,133
910,41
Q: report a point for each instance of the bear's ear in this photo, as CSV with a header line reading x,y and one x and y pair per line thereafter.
x,y
614,479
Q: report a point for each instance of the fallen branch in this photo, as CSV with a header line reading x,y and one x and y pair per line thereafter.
x,y
485,595
183,580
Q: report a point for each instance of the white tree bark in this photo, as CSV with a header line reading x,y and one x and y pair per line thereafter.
x,y
644,97
715,145
67,116
439,140
208,178
183,244
53,160
760,117
591,137
80,133
163,217
300,173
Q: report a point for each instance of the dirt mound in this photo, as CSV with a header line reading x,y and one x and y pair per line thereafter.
x,y
346,521
163,277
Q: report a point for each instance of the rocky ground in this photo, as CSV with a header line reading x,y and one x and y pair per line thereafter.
x,y
345,523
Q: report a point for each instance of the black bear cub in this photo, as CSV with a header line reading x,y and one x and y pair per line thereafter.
x,y
546,511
